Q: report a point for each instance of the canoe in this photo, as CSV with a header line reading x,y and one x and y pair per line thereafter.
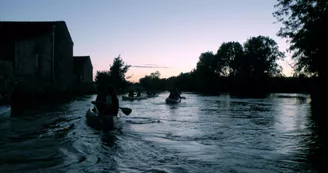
x,y
153,95
5,111
106,123
169,100
134,98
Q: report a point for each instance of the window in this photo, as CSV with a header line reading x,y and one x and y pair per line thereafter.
x,y
36,62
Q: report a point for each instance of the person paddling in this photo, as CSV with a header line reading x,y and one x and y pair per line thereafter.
x,y
174,93
138,94
108,106
131,93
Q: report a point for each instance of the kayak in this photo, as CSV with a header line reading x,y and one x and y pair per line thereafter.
x,y
104,123
134,98
5,111
153,95
169,100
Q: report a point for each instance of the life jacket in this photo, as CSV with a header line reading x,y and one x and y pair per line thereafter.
x,y
109,100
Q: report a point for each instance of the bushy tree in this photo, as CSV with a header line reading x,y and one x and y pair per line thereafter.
x,y
260,58
305,26
227,58
206,65
116,74
152,81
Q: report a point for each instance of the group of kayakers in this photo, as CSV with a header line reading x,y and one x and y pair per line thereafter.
x,y
131,93
151,93
107,102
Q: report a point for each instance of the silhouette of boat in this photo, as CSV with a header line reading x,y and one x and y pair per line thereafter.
x,y
152,95
172,101
106,123
134,98
5,111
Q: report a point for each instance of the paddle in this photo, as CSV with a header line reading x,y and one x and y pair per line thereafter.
x,y
126,111
183,97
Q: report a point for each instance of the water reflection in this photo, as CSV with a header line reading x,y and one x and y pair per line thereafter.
x,y
108,139
201,134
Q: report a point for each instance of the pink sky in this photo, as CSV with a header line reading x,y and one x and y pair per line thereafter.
x,y
171,33
183,62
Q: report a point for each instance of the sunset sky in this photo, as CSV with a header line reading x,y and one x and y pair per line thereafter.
x,y
150,35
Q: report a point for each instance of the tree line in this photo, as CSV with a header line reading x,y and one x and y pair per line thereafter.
x,y
252,67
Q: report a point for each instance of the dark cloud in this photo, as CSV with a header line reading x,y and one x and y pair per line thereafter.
x,y
151,64
148,66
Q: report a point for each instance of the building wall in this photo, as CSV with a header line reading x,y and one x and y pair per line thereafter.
x,y
90,77
83,70
63,64
40,63
32,62
6,65
76,77
6,76
33,58
24,58
63,59
87,72
7,50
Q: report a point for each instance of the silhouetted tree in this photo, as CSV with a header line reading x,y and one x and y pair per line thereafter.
x,y
155,75
187,81
115,75
227,58
260,58
206,71
102,77
251,69
117,71
305,24
206,64
152,81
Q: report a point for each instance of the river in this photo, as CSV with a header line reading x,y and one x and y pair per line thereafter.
x,y
201,134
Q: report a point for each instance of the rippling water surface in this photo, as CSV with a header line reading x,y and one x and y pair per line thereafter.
x,y
201,134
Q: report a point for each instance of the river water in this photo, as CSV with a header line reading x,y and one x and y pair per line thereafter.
x,y
201,134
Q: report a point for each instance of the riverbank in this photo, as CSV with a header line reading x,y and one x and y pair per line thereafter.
x,y
24,98
249,86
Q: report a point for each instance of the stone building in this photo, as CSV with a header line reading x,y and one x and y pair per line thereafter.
x,y
83,69
40,53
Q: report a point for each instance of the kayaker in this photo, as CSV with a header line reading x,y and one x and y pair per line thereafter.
x,y
112,102
150,93
108,105
131,93
174,93
107,101
138,94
